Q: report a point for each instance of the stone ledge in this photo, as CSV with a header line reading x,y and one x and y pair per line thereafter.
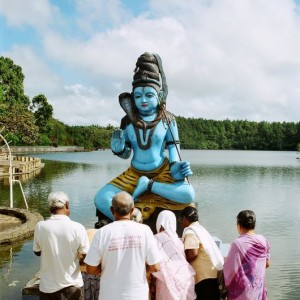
x,y
12,234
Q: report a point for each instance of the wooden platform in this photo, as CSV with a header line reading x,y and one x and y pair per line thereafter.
x,y
31,289
20,165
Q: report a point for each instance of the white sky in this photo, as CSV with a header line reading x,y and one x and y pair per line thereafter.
x,y
223,59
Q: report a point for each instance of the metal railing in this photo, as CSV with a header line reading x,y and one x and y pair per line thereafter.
x,y
11,179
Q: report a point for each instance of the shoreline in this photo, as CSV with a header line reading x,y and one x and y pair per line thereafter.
x,y
17,224
42,149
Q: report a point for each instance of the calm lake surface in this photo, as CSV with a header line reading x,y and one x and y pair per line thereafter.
x,y
226,182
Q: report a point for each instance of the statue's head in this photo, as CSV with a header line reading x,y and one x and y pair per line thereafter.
x,y
149,73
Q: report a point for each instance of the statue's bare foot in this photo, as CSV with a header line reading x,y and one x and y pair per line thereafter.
x,y
141,187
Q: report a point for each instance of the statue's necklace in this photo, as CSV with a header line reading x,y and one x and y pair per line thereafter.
x,y
144,126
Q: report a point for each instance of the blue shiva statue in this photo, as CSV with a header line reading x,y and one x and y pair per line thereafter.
x,y
147,130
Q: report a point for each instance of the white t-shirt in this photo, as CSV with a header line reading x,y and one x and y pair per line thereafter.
x,y
60,240
123,248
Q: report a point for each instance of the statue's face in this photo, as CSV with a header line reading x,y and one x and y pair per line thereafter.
x,y
145,99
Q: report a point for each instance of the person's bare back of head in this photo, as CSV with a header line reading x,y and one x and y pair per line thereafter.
x,y
122,203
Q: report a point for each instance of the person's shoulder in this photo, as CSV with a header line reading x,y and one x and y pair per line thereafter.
x,y
40,223
189,232
77,225
107,228
46,221
144,226
190,235
239,242
141,226
262,238
164,237
159,234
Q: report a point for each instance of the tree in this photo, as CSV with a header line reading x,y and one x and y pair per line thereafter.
x,y
12,83
14,113
58,135
42,111
19,125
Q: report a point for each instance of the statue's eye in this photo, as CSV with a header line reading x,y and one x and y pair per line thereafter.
x,y
150,95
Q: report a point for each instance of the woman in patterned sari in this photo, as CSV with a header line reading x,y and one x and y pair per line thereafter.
x,y
175,280
247,260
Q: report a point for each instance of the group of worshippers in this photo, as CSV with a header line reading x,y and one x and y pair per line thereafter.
x,y
133,263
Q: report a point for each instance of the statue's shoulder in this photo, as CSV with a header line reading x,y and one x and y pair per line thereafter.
x,y
125,121
170,117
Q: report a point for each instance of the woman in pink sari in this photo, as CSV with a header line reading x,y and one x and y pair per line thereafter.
x,y
175,280
247,260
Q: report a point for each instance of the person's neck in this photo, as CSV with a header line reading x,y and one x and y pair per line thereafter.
x,y
247,231
61,212
122,218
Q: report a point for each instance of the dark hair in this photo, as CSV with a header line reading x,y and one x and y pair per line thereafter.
x,y
246,219
190,213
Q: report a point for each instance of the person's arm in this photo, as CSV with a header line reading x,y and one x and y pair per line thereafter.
x,y
191,247
93,257
81,257
268,255
94,270
36,245
153,255
191,254
152,268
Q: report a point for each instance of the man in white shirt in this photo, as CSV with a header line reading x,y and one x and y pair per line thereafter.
x,y
62,244
123,252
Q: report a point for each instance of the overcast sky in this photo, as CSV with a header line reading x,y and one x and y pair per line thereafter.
x,y
223,59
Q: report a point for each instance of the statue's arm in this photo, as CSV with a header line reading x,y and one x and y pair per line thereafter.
x,y
172,141
120,144
179,169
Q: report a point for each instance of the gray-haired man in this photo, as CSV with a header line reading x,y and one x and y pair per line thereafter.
x,y
120,251
62,244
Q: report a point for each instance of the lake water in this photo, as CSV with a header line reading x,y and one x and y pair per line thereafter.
x,y
226,182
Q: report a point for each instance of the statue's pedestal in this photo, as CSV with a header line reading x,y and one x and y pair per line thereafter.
x,y
150,206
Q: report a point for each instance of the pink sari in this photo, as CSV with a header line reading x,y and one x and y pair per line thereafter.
x,y
175,280
245,266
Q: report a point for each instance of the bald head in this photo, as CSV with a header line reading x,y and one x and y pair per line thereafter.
x,y
122,203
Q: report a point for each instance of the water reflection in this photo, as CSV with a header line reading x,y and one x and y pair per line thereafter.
x,y
225,183
6,254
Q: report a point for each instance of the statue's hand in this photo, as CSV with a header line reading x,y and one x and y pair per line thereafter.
x,y
181,169
117,142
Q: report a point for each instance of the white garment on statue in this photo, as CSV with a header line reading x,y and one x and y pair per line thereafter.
x,y
123,248
60,240
207,242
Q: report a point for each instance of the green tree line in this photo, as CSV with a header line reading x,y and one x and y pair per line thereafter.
x,y
27,121
238,134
